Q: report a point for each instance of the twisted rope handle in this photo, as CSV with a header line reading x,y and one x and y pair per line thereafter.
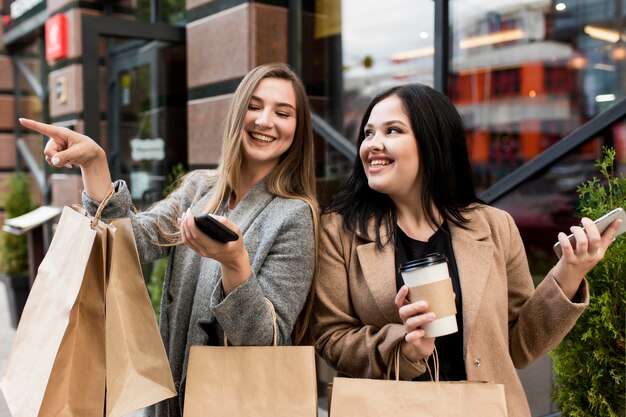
x,y
395,363
105,201
436,363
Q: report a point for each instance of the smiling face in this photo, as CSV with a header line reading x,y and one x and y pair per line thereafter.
x,y
269,125
389,151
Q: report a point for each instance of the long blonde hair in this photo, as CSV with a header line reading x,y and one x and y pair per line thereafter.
x,y
293,177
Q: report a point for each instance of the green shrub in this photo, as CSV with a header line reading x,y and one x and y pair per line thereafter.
x,y
155,284
13,249
590,363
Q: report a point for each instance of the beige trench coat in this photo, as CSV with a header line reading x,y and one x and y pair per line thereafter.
x,y
507,323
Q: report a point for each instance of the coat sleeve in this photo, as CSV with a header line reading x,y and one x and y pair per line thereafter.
x,y
284,278
538,318
348,344
162,216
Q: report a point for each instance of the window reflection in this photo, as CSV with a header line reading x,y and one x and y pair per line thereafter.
x,y
170,11
352,50
527,73
548,204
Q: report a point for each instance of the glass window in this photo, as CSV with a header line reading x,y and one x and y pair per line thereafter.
x,y
28,103
147,114
548,204
353,50
170,11
526,73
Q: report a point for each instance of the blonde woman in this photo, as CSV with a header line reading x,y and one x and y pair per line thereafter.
x,y
264,190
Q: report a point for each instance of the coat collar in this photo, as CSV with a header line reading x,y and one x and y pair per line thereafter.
x,y
378,272
255,200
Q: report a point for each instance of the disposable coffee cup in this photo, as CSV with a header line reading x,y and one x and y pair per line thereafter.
x,y
428,279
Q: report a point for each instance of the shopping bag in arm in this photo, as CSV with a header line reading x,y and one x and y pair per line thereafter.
x,y
251,381
62,328
356,397
67,353
138,373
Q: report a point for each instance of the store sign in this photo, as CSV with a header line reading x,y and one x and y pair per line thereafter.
x,y
147,149
56,37
19,7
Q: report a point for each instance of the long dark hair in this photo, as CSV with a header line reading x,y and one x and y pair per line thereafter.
x,y
444,166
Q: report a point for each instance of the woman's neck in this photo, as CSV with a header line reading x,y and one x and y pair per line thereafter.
x,y
413,221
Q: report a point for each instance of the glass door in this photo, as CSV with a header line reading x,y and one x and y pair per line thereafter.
x,y
147,120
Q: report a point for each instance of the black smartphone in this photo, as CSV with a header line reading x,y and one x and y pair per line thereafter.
x,y
602,223
214,229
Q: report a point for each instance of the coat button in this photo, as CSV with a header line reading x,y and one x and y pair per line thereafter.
x,y
477,362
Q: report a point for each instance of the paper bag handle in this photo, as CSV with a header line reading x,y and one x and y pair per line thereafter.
x,y
273,312
105,201
395,359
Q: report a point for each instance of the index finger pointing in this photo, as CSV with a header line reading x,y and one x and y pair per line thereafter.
x,y
44,128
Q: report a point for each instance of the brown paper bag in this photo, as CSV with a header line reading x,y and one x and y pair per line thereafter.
x,y
66,353
138,374
356,397
55,306
251,381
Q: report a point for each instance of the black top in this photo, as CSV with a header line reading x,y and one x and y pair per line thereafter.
x,y
449,347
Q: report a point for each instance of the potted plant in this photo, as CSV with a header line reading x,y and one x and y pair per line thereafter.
x,y
13,249
590,363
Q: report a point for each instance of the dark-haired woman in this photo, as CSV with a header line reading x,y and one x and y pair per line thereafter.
x,y
411,193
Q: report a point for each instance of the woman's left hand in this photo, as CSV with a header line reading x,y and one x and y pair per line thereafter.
x,y
233,256
577,262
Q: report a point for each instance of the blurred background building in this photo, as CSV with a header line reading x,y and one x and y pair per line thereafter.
x,y
151,81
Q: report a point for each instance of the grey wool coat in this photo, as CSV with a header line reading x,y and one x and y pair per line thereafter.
x,y
278,235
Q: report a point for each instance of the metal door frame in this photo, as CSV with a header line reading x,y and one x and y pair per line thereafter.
x,y
94,27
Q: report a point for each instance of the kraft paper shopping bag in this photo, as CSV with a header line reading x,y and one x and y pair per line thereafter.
x,y
88,329
251,381
358,397
62,327
138,374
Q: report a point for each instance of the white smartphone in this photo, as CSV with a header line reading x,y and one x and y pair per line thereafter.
x,y
602,223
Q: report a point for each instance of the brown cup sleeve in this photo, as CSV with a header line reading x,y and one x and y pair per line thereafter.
x,y
439,296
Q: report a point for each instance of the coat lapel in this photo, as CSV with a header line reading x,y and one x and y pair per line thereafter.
x,y
251,205
379,273
378,266
474,259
